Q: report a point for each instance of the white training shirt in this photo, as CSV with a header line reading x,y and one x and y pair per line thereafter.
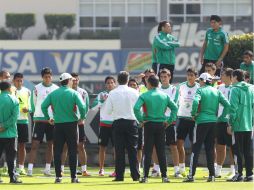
x,y
171,92
225,91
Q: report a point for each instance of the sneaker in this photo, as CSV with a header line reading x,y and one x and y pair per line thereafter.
x,y
178,175
183,173
15,180
117,179
165,180
189,179
217,176
248,178
230,175
211,179
85,174
143,180
101,172
58,180
30,173
21,171
79,172
75,180
112,174
155,173
47,173
236,178
4,171
1,181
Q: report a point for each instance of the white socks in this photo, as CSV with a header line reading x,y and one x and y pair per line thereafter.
x,y
232,168
156,167
47,167
218,170
176,169
182,167
21,167
83,168
30,166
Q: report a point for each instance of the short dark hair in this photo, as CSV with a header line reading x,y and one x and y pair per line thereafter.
x,y
238,73
216,18
18,75
150,70
153,81
3,72
162,24
5,85
212,65
165,71
248,52
64,82
228,72
123,77
74,74
192,70
132,80
109,78
46,71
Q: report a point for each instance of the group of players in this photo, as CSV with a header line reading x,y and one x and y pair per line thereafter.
x,y
183,95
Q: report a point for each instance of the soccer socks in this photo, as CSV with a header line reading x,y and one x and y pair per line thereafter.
x,y
47,167
83,168
176,169
218,170
182,167
30,166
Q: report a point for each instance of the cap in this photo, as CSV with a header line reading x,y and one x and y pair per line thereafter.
x,y
65,76
206,77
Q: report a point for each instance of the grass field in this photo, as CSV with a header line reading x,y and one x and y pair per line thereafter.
x,y
39,182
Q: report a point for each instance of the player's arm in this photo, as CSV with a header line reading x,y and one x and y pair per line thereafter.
x,y
33,100
234,105
195,103
44,106
173,108
225,50
109,105
158,43
137,108
81,106
202,51
14,116
225,104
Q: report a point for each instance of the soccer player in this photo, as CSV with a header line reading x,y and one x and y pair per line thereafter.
x,y
81,130
23,95
185,125
163,48
154,103
248,64
204,112
241,120
134,84
223,138
41,124
210,68
8,127
106,120
66,119
170,131
215,46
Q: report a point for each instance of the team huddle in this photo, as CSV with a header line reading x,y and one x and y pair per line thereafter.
x,y
140,115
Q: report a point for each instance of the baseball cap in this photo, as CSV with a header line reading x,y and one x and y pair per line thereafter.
x,y
206,77
65,76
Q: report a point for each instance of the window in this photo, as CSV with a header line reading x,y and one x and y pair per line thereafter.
x,y
193,19
86,21
149,19
177,19
176,9
118,10
193,9
117,21
134,19
102,22
86,10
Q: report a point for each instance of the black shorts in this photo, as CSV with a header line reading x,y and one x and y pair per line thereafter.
x,y
105,135
140,138
171,135
22,133
185,127
223,138
81,133
41,128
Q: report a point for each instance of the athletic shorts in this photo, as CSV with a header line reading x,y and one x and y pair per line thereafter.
x,y
81,133
105,135
22,133
41,128
171,135
223,138
185,127
140,138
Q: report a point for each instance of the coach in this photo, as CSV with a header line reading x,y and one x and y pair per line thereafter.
x,y
120,104
64,101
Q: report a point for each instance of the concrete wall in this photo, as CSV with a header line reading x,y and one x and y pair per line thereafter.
x,y
39,8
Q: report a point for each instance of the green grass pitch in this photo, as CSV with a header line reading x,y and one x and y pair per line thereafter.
x,y
39,182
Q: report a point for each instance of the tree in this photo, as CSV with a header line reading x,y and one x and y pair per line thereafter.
x,y
57,24
19,22
237,45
